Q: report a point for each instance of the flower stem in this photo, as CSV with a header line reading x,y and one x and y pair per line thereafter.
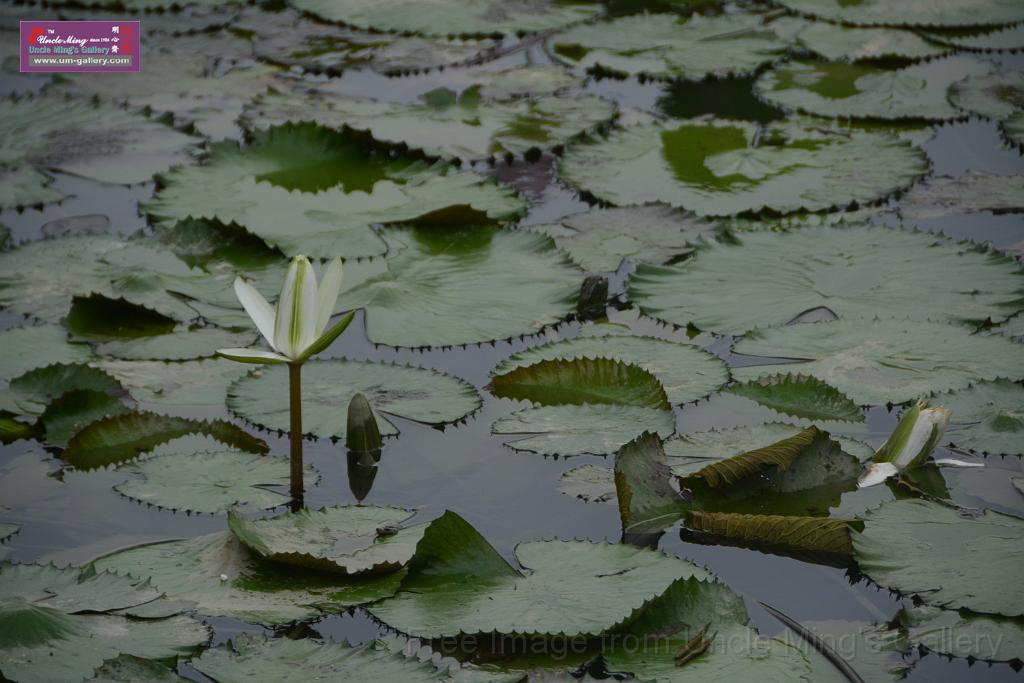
x,y
295,402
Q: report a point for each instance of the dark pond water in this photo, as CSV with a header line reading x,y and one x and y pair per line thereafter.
x,y
512,497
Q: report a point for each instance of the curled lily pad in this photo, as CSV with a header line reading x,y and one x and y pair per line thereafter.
x,y
515,283
962,633
815,534
600,239
947,557
987,417
577,429
996,96
60,624
719,167
328,386
973,192
452,17
766,278
837,43
100,142
800,396
885,361
669,46
306,189
864,91
648,504
686,372
193,571
351,539
457,583
920,13
582,381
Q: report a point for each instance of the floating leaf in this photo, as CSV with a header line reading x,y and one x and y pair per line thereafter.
x,y
874,652
838,43
591,483
647,502
128,669
97,318
457,583
351,539
800,396
11,429
946,557
601,238
58,624
816,534
123,437
865,91
100,142
985,38
973,192
74,410
567,430
686,372
717,167
32,392
306,189
996,96
254,590
986,418
412,393
182,344
668,46
26,348
210,482
582,381
930,13
452,17
514,282
188,386
962,633
885,361
1013,129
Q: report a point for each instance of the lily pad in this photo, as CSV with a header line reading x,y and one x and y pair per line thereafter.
x,y
76,409
128,669
514,282
885,361
452,17
351,539
59,624
961,633
328,386
686,372
765,278
973,192
875,651
26,348
210,482
100,142
668,46
32,392
470,125
987,418
945,556
865,91
838,43
1009,38
916,13
582,381
995,96
193,571
1013,129
591,483
718,167
600,239
648,504
182,344
800,396
1014,327
189,387
568,430
306,189
457,583
815,534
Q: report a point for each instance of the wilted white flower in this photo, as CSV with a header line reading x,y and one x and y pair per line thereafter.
x,y
913,440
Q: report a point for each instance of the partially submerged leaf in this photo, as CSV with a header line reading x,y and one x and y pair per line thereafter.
x,y
987,418
647,502
800,396
815,534
582,381
973,192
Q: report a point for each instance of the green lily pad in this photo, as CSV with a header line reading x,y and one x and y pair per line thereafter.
x,y
1013,327
987,418
802,219
26,348
514,282
995,96
718,167
686,372
452,17
100,142
590,483
600,239
351,539
210,482
193,571
973,192
182,344
188,387
865,91
128,669
930,13
800,396
59,624
76,409
32,392
1009,38
26,186
884,361
648,504
121,438
328,386
838,43
765,278
945,556
962,633
457,583
875,651
581,381
668,46
1013,129
471,125
568,430
306,189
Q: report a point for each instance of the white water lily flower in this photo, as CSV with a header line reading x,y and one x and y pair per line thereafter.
x,y
913,440
297,328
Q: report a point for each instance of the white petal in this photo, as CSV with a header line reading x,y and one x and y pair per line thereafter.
x,y
251,356
953,462
295,323
327,294
261,312
876,474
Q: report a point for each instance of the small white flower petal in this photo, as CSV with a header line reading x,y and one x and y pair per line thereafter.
x,y
295,323
876,474
327,294
261,312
